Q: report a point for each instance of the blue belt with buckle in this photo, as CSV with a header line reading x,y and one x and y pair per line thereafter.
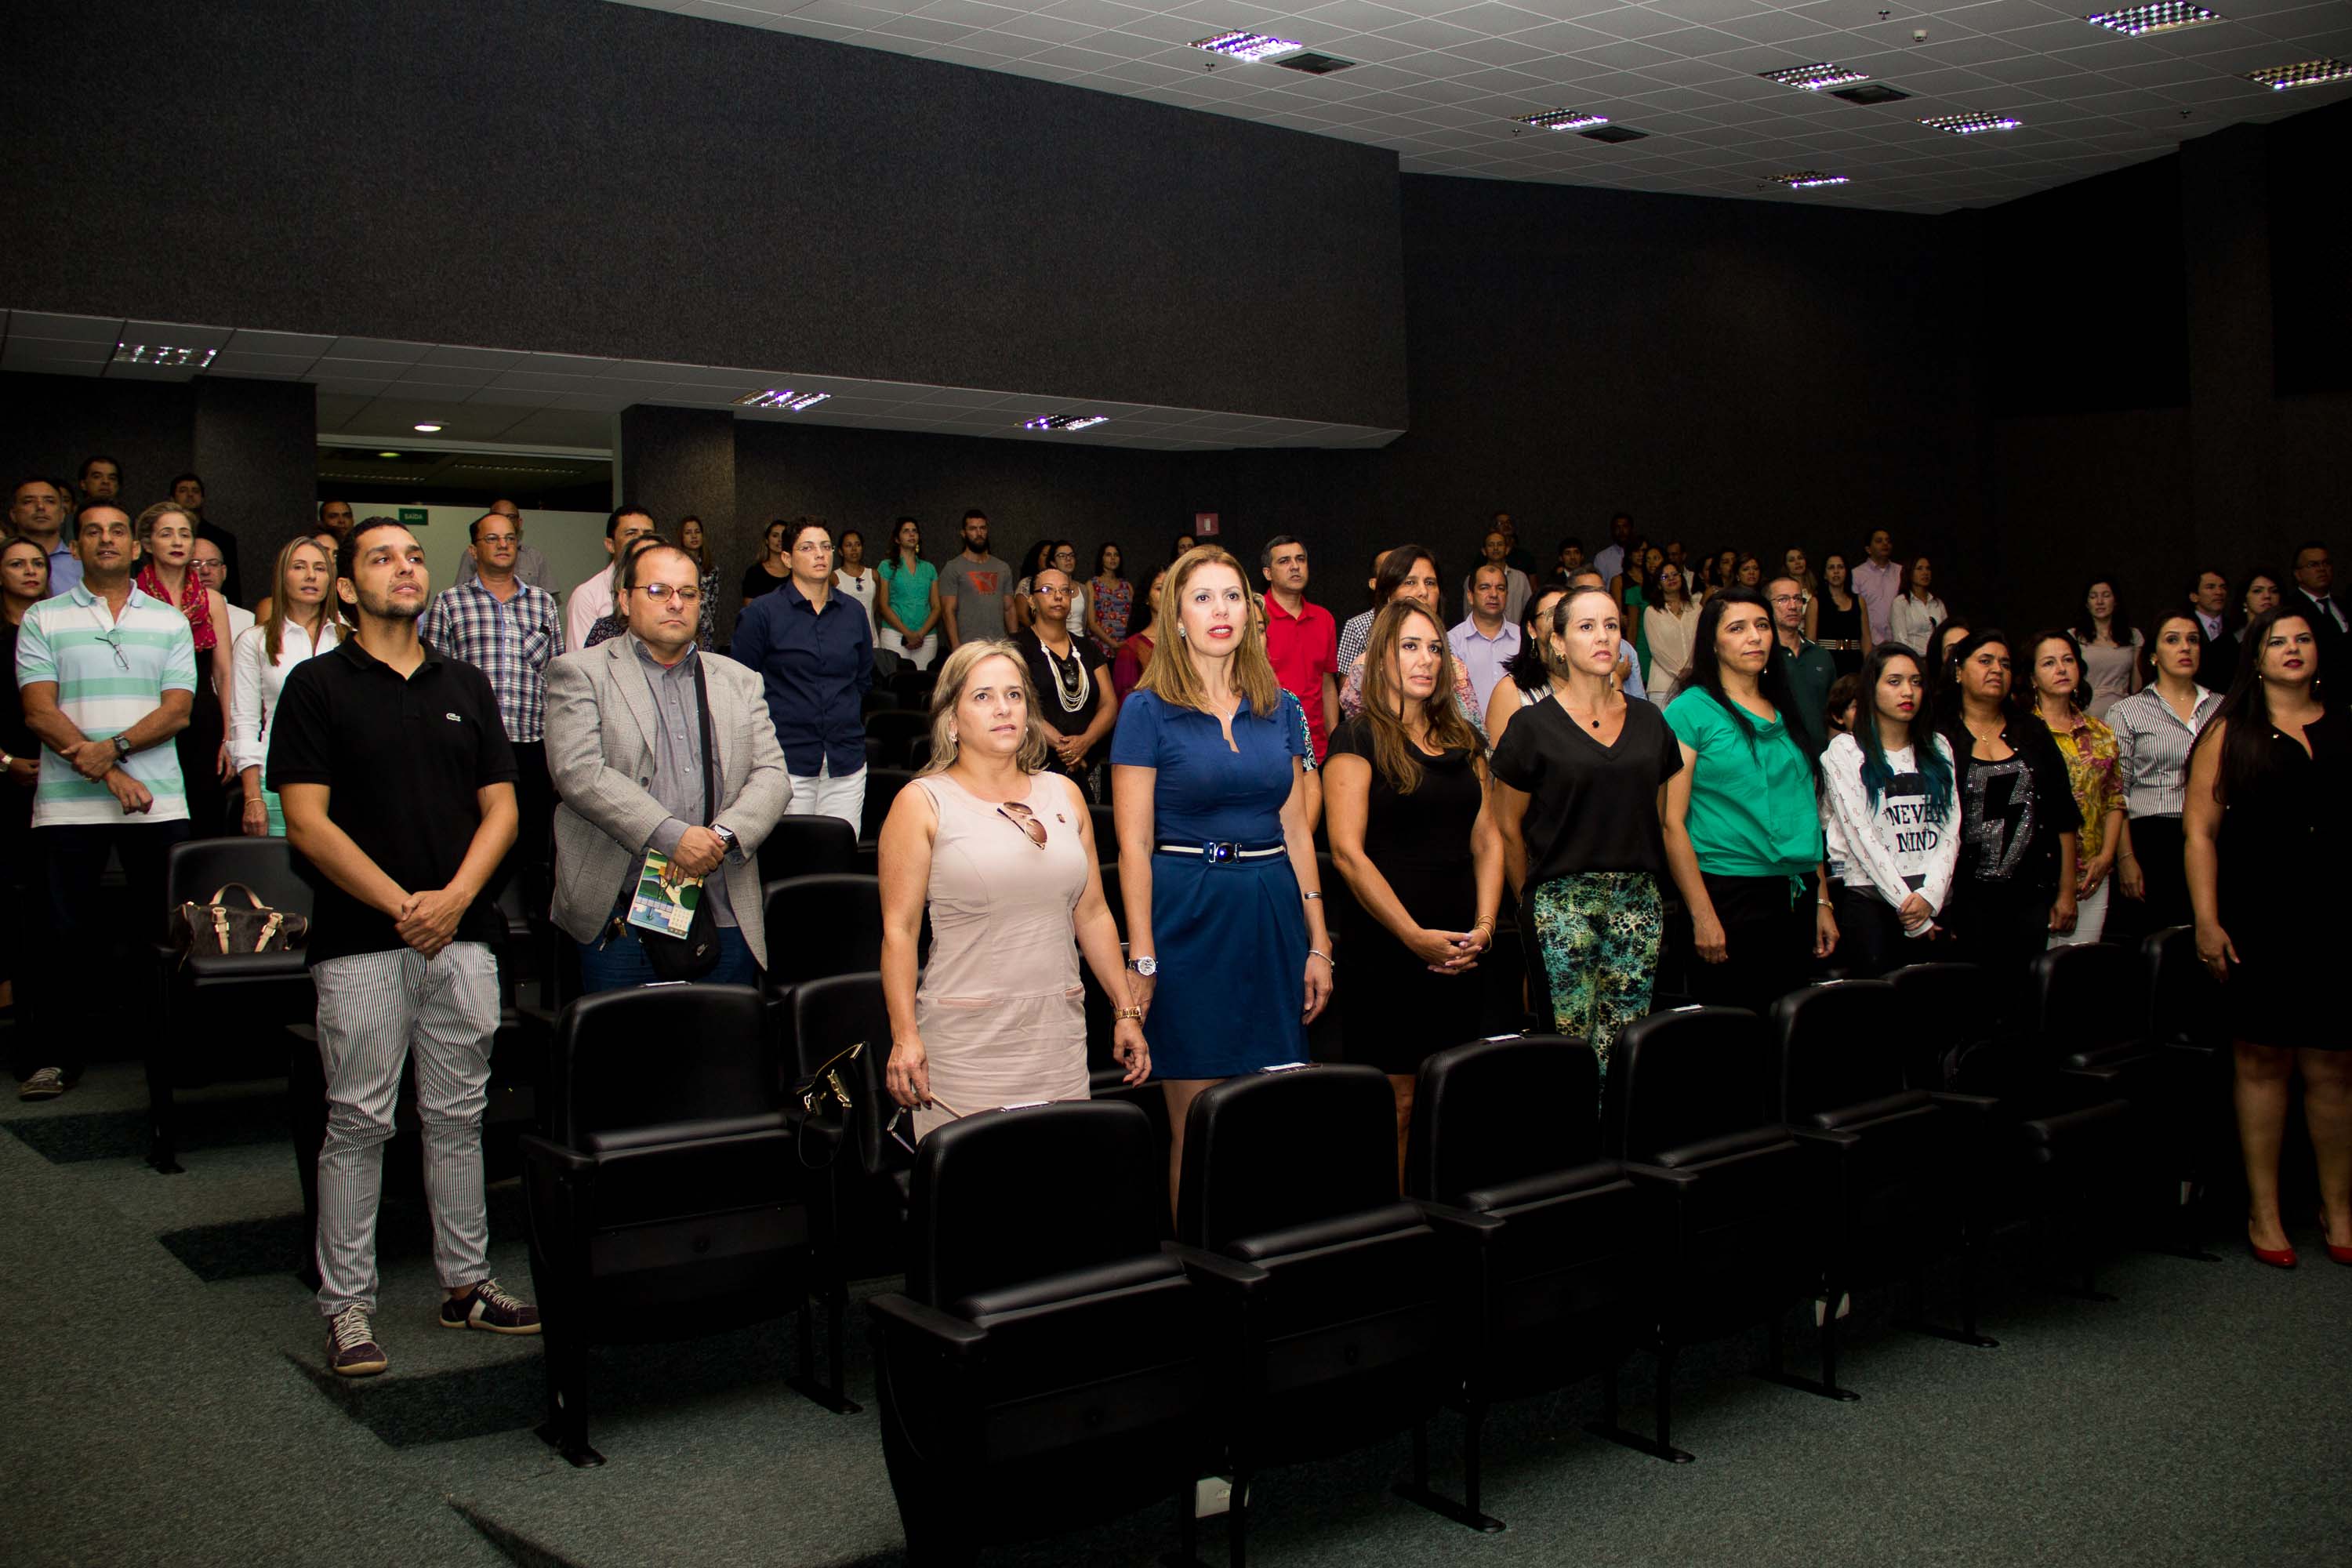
x,y
1216,852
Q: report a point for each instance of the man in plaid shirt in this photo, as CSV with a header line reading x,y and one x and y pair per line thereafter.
x,y
511,631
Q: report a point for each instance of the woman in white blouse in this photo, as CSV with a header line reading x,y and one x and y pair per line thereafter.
x,y
1670,626
852,577
297,627
1915,612
1889,814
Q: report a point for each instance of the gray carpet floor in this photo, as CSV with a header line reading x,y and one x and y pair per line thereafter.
x,y
166,1404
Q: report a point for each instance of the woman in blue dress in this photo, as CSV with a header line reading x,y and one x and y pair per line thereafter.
x,y
1216,860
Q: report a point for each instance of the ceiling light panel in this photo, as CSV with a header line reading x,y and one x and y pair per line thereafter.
x,y
2303,73
1808,179
1247,46
1563,120
782,397
1970,124
1065,421
164,355
2164,17
1815,77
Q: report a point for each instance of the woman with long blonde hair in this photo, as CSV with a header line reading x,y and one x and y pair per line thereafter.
x,y
1001,854
299,627
1216,860
1405,784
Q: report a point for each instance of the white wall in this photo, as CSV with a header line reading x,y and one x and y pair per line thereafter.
x,y
573,541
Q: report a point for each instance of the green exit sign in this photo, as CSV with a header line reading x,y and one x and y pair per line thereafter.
x,y
414,517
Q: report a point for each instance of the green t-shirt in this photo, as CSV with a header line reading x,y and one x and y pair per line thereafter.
x,y
1752,812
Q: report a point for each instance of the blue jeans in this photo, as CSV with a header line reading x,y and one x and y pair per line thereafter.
x,y
620,963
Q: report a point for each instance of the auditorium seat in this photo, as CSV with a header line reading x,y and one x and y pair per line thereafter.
x,y
2094,1020
1045,1366
1691,1110
882,787
1544,1239
221,1012
1105,826
896,729
828,923
1892,1167
1334,1324
2185,1014
2062,1137
670,1204
807,847
866,1182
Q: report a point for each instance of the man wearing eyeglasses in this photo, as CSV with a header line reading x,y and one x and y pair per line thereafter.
x,y
1811,669
511,632
529,564
108,678
813,648
626,742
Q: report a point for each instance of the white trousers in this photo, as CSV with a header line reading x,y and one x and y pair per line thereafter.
x,y
828,796
2090,917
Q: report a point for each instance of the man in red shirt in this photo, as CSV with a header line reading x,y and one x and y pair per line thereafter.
x,y
1301,639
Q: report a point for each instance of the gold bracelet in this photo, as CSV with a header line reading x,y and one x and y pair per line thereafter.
x,y
1124,1014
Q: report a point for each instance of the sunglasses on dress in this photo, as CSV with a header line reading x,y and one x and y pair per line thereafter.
x,y
1026,820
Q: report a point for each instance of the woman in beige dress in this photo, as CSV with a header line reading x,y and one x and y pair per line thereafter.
x,y
1002,853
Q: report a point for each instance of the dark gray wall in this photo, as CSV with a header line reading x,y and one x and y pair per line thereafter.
x,y
568,175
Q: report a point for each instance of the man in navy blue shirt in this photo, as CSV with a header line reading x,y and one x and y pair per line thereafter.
x,y
814,651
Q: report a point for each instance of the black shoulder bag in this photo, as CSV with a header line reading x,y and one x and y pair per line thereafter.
x,y
695,954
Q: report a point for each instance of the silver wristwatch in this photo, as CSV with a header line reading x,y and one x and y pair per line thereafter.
x,y
726,837
1147,966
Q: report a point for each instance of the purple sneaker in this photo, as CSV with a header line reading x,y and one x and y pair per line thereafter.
x,y
352,1349
486,1306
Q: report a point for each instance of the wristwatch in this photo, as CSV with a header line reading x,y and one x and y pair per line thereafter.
x,y
726,837
122,748
1146,966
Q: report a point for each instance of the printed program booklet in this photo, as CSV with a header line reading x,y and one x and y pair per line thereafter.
x,y
665,899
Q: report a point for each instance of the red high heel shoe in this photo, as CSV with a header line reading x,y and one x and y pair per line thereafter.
x,y
2279,1257
2335,1254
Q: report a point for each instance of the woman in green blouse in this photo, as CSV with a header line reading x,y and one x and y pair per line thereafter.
x,y
1743,824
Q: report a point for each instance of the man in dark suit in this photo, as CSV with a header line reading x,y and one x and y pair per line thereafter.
x,y
2209,600
2314,595
188,493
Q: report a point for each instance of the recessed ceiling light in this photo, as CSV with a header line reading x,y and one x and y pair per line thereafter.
x,y
1314,64
2304,73
781,397
2164,17
1063,421
1563,120
1612,133
1806,179
387,454
1969,125
1247,46
428,429
163,354
1870,92
1815,77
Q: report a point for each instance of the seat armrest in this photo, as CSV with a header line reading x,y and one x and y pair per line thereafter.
x,y
832,1134
1659,1176
1466,1225
569,1161
1825,1138
1974,1104
1238,1278
952,1335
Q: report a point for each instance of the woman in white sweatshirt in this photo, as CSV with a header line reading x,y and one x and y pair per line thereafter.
x,y
1890,817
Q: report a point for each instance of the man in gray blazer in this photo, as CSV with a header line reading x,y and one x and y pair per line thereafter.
x,y
625,747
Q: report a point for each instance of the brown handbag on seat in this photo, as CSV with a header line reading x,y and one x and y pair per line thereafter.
x,y
220,928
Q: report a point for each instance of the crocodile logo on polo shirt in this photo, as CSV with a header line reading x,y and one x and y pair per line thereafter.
x,y
453,718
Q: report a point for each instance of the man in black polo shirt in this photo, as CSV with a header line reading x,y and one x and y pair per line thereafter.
x,y
398,786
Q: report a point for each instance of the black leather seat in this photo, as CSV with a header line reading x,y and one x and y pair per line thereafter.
x,y
211,1001
1044,1367
670,1203
865,1186
820,924
896,729
807,847
1691,1110
1544,1238
1335,1318
1106,826
2060,1134
1893,1167
2185,1017
882,787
